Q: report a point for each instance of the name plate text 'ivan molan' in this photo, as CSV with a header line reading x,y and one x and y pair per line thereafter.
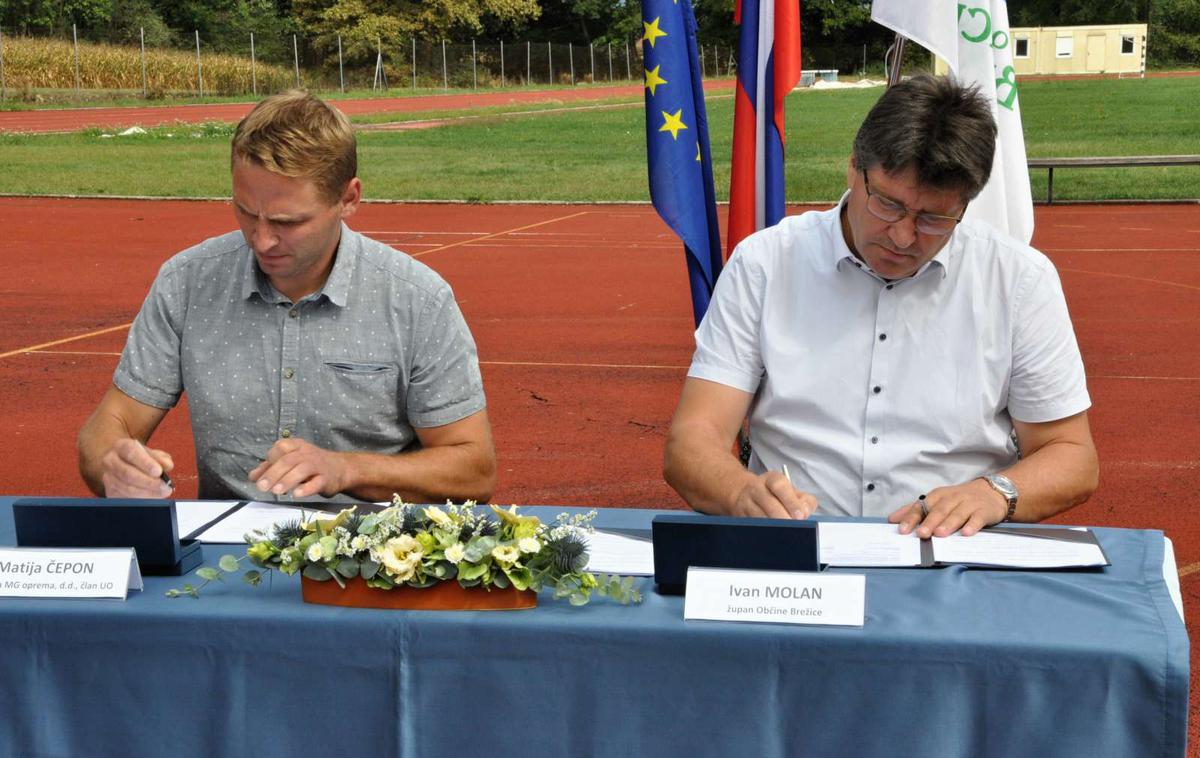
x,y
778,597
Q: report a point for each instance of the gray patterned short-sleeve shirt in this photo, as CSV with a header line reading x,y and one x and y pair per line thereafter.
x,y
380,349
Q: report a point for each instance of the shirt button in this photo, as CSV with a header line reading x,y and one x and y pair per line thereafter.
x,y
874,440
288,373
890,286
882,337
871,487
293,313
286,433
877,389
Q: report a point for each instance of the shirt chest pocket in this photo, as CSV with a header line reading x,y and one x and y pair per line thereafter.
x,y
362,397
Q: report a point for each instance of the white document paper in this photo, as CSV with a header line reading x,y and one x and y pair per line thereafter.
x,y
1015,551
611,553
233,528
190,515
852,544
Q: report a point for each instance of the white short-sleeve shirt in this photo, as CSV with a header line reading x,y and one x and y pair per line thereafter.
x,y
875,392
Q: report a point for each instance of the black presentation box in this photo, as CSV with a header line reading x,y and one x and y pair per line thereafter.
x,y
148,526
686,539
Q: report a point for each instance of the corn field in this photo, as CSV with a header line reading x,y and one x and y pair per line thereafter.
x,y
31,63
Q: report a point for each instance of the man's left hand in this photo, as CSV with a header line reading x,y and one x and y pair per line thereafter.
x,y
300,467
964,508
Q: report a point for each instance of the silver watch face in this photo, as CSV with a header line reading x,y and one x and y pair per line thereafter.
x,y
1004,485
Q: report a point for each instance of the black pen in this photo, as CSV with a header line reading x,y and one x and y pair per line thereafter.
x,y
163,472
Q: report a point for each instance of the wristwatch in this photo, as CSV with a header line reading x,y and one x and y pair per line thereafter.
x,y
1006,488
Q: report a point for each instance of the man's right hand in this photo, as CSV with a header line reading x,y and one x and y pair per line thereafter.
x,y
773,496
130,469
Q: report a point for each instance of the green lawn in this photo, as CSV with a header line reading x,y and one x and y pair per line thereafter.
x,y
600,154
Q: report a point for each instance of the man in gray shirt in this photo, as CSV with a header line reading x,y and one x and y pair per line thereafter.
x,y
318,363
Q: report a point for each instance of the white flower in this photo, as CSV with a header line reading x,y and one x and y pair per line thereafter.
x,y
506,553
400,556
315,552
360,542
454,553
529,545
437,515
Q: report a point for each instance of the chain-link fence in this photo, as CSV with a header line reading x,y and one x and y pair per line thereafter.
x,y
266,63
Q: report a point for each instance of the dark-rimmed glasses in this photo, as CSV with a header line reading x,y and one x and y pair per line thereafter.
x,y
886,209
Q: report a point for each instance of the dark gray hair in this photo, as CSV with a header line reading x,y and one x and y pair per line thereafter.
x,y
941,130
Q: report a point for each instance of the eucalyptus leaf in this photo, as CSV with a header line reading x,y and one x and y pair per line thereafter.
x,y
209,573
317,572
369,524
368,568
253,577
578,598
500,580
228,563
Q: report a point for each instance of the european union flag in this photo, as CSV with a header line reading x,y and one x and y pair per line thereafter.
x,y
677,149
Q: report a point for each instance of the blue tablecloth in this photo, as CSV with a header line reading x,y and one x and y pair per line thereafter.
x,y
951,662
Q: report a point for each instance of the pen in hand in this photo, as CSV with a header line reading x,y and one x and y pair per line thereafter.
x,y
163,472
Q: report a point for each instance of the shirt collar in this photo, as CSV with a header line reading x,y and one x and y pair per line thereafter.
x,y
944,259
337,285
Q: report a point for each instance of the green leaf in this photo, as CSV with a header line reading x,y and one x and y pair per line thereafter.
x,y
369,525
209,573
253,577
228,563
317,572
368,568
173,593
348,567
469,571
500,580
578,598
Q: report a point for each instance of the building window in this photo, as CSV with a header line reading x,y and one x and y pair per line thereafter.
x,y
1126,44
1022,47
1063,46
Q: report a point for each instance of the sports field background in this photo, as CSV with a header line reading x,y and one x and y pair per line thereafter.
x,y
584,330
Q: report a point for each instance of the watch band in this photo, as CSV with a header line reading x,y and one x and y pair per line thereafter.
x,y
1002,484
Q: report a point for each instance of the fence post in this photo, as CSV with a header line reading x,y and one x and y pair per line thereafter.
x,y
3,85
609,61
703,73
502,64
199,66
341,70
75,43
628,71
717,60
474,70
253,67
142,35
550,62
445,71
414,46
571,55
296,59
592,56
528,64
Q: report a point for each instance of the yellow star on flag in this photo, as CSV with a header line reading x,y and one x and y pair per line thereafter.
x,y
652,31
673,123
653,79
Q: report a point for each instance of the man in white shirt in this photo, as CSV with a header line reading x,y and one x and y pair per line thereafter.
x,y
892,359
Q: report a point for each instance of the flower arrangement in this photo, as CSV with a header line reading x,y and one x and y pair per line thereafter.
x,y
420,546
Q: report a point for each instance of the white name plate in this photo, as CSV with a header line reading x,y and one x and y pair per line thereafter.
x,y
777,597
68,573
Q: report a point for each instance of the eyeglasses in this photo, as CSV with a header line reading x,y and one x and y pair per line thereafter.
x,y
886,209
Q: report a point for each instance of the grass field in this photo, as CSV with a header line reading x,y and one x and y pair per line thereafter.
x,y
599,155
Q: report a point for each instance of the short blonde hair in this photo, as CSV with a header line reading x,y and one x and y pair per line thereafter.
x,y
295,134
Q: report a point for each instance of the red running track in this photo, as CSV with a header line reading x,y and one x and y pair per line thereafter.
x,y
584,332
73,119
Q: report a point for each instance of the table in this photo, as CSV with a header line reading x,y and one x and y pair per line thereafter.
x,y
951,662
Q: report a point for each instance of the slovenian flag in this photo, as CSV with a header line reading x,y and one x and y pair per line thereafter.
x,y
768,69
677,150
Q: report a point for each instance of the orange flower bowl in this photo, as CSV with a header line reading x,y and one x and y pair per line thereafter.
x,y
443,596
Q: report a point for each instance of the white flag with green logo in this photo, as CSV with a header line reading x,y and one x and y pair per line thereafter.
x,y
974,40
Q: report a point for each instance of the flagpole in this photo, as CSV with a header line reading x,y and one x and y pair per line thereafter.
x,y
895,54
